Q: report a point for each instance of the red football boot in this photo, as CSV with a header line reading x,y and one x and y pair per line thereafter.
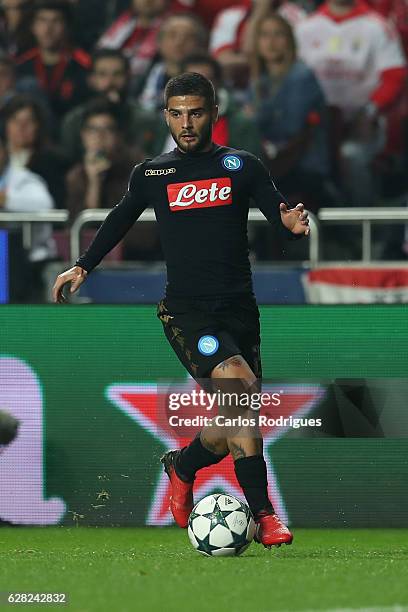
x,y
270,531
181,500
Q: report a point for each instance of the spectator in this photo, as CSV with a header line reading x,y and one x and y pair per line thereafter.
x,y
290,112
358,60
15,26
28,147
9,86
392,160
179,35
109,77
205,9
135,32
234,128
23,191
58,67
100,179
233,29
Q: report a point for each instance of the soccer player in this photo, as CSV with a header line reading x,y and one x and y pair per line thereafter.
x,y
201,193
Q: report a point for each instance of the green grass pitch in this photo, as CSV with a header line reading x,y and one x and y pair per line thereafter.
x,y
149,569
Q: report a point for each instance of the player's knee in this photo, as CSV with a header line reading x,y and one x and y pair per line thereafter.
x,y
236,370
235,383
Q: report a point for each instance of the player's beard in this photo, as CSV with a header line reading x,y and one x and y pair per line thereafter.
x,y
202,140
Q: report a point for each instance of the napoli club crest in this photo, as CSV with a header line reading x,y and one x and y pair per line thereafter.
x,y
208,345
232,163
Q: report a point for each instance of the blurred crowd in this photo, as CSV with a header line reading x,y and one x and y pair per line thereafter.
x,y
318,90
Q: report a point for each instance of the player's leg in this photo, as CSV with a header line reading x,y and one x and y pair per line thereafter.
x,y
184,328
234,376
181,467
179,324
212,444
206,449
246,447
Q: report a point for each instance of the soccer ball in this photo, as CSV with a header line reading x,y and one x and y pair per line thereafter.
x,y
220,526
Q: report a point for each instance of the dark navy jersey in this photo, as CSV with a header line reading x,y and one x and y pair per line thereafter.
x,y
201,203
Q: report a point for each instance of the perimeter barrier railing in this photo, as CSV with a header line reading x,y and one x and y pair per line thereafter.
x,y
363,216
27,219
89,216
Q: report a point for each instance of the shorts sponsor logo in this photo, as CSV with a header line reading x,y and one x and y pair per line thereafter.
x,y
160,172
199,194
208,345
232,162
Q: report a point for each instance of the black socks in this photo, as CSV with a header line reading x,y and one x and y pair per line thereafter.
x,y
250,472
194,457
252,477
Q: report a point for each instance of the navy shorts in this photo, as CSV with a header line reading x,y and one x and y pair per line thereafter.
x,y
203,333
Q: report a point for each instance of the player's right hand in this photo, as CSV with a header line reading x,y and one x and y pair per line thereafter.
x,y
75,276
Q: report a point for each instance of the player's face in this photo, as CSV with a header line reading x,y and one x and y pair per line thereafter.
x,y
190,122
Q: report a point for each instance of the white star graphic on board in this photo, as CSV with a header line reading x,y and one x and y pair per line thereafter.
x,y
146,405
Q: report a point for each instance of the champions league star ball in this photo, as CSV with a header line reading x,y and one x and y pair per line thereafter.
x,y
220,526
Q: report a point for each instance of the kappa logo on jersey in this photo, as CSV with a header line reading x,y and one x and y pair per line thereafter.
x,y
232,162
160,172
199,194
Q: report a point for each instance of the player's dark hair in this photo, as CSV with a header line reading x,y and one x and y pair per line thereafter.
x,y
63,7
101,106
190,84
101,54
201,57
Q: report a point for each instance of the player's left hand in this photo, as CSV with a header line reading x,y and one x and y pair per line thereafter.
x,y
295,219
